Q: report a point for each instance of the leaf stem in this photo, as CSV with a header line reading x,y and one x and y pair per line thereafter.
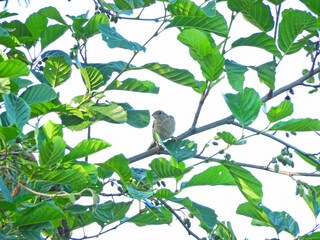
x,y
233,16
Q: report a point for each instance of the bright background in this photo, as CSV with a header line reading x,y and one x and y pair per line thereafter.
x,y
181,102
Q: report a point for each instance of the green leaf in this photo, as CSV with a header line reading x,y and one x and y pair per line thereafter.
x,y
8,133
164,169
260,16
164,193
113,113
38,93
254,212
311,236
249,186
313,204
154,216
206,216
313,5
198,43
282,221
5,191
240,5
56,71
57,53
120,209
127,4
260,40
5,39
52,13
235,73
91,28
43,212
18,111
52,33
308,160
22,83
188,15
75,123
180,76
5,14
13,68
51,152
107,69
297,125
52,130
267,73
139,194
224,231
284,109
136,118
213,176
86,148
5,85
118,164
212,65
20,31
7,206
41,108
36,23
181,150
65,176
134,85
245,105
291,26
230,139
276,2
114,39
92,77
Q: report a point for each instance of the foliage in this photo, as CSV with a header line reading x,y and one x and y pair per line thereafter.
x,y
42,177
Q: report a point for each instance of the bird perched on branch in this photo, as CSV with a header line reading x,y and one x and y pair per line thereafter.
x,y
164,125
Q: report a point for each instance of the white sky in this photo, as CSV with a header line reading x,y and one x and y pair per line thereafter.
x,y
181,102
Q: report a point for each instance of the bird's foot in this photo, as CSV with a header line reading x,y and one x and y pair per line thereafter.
x,y
174,138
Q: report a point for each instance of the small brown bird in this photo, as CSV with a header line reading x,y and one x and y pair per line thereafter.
x,y
164,125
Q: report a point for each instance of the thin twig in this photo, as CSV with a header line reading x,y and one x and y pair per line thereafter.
x,y
280,141
136,52
291,85
204,95
44,194
101,233
278,8
180,220
264,168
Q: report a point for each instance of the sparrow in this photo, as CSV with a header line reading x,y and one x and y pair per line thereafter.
x,y
164,125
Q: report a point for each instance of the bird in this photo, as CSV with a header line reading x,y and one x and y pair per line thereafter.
x,y
164,125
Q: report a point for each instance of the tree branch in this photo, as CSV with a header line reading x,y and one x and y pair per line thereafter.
x,y
265,168
291,85
229,119
180,220
280,141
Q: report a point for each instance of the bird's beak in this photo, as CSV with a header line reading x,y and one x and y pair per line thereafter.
x,y
153,114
